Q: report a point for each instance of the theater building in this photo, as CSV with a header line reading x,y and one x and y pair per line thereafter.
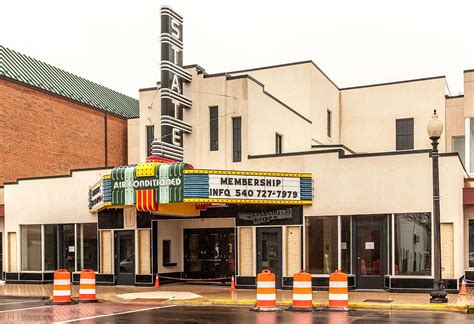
x,y
268,168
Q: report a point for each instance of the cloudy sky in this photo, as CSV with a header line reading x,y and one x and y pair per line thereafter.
x,y
116,43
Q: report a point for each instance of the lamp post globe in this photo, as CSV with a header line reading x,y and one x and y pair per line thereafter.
x,y
435,127
438,294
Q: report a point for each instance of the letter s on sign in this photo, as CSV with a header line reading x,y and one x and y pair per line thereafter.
x,y
176,33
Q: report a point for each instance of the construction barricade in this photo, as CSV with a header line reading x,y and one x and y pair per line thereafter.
x,y
266,292
62,287
338,291
302,292
87,286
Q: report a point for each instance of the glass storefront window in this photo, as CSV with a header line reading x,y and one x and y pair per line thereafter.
x,y
471,146
321,240
66,247
346,244
413,244
31,247
87,246
50,243
471,243
459,147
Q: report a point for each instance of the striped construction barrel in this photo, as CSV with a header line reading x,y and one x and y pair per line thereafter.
x,y
62,287
302,292
266,292
338,291
87,286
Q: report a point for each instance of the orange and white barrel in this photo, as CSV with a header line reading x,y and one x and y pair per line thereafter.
x,y
338,291
87,286
266,292
302,292
62,287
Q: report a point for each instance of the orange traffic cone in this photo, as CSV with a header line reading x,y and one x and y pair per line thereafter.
x,y
157,282
463,290
232,284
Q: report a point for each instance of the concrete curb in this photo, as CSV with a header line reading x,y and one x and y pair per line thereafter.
x,y
287,303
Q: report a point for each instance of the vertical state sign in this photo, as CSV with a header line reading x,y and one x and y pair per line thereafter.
x,y
173,77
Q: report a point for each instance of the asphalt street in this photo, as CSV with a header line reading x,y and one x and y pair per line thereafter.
x,y
39,311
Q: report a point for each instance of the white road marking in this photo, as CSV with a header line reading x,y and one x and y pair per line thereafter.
x,y
114,314
22,309
19,302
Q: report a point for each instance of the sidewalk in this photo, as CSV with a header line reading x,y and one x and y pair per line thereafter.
x,y
222,295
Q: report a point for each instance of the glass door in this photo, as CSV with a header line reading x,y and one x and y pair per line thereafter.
x,y
124,258
269,255
371,251
209,253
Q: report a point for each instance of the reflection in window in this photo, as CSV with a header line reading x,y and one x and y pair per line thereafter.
x,y
413,244
66,247
50,243
321,240
458,146
471,243
472,143
346,244
87,246
31,247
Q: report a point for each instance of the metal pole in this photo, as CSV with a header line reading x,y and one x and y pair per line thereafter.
x,y
438,294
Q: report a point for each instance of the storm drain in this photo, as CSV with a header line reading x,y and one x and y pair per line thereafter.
x,y
383,301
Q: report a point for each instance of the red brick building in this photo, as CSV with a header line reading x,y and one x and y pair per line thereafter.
x,y
53,121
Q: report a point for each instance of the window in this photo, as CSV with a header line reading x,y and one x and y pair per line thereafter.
x,y
236,139
166,252
329,121
150,136
413,244
86,246
51,252
321,240
214,128
471,146
458,146
31,247
404,129
346,244
278,143
471,243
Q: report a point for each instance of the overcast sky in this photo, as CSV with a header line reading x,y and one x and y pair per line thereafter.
x,y
116,43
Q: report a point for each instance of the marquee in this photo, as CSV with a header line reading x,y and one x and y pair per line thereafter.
x,y
155,187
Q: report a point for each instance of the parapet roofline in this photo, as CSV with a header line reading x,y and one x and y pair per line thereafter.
x,y
394,82
201,70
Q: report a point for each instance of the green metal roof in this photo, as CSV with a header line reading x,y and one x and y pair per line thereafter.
x,y
28,70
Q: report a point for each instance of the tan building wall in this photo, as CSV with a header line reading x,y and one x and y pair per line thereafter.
x,y
369,113
133,140
150,114
454,123
306,90
469,93
58,200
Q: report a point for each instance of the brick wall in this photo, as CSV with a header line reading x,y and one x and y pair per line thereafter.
x,y
447,250
42,134
245,251
293,250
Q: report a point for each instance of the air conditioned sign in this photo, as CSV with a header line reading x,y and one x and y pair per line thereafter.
x,y
247,187
173,76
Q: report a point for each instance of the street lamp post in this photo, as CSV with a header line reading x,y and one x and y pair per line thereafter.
x,y
438,294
